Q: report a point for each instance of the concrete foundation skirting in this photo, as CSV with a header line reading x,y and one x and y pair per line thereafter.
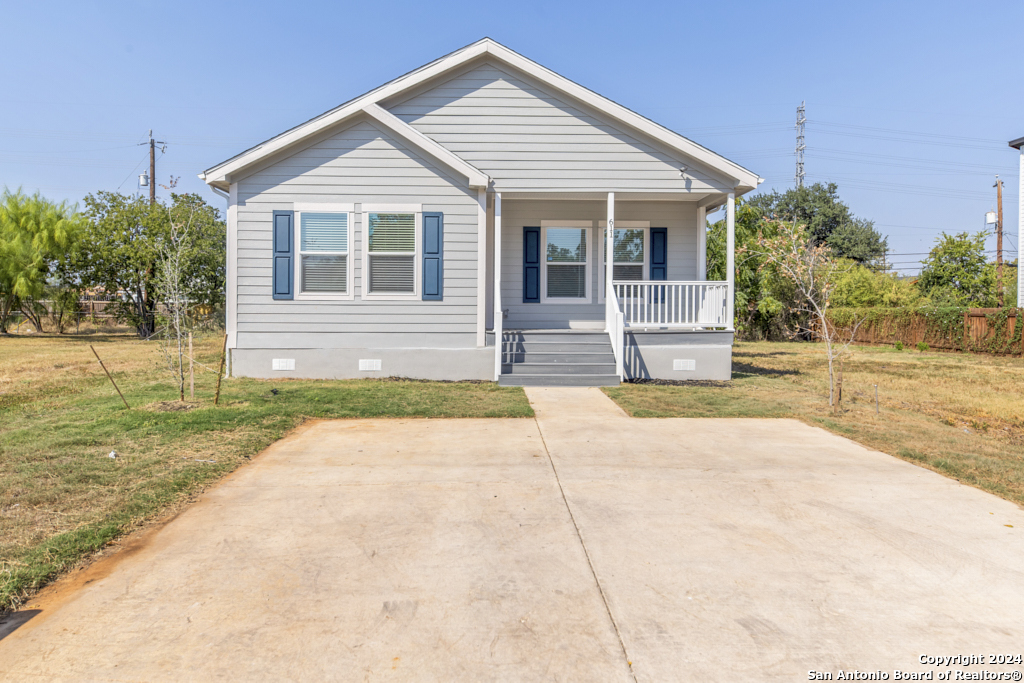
x,y
678,355
442,364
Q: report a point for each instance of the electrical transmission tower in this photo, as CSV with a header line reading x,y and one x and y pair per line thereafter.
x,y
801,119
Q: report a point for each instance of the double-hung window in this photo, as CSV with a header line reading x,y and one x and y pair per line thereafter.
x,y
324,239
567,262
392,252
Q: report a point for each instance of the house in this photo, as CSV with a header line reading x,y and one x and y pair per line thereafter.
x,y
453,224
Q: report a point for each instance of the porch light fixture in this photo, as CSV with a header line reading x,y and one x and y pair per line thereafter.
x,y
682,171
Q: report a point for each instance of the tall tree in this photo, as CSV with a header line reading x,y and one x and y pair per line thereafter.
x,y
122,253
828,220
956,271
36,235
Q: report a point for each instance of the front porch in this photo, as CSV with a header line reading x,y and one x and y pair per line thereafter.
x,y
651,303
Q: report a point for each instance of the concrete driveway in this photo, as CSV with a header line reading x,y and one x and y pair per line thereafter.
x,y
580,546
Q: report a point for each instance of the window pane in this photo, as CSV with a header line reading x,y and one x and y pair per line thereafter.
x,y
394,274
324,231
392,232
325,274
567,282
627,272
629,245
567,245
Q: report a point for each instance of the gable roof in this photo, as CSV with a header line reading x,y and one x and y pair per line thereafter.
x,y
368,104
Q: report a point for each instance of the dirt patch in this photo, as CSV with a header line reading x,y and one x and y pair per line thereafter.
x,y
680,382
171,406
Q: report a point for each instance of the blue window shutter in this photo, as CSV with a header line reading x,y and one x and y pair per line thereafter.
x,y
433,256
659,253
284,254
531,265
659,260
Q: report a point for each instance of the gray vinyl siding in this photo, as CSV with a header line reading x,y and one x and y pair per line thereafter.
x,y
680,218
530,140
358,165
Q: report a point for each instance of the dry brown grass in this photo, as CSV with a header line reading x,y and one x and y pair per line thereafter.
x,y
958,414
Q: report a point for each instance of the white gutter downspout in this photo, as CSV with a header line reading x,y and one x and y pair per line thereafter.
x,y
498,345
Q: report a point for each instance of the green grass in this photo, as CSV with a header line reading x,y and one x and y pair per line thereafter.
x,y
958,414
62,497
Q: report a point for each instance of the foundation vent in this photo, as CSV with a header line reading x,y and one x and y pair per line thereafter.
x,y
369,364
685,364
284,363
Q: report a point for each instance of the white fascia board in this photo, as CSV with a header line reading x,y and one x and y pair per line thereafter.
x,y
474,176
620,113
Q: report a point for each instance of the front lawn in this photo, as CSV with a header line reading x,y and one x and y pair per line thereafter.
x,y
62,496
958,414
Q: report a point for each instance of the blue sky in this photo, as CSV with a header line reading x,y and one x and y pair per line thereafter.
x,y
909,104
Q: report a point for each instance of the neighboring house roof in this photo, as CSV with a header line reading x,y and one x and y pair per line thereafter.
x,y
367,104
1017,144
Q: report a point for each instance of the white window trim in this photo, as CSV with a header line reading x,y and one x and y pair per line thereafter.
x,y
623,225
349,294
589,227
417,210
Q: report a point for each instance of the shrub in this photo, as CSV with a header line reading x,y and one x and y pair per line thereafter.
x,y
922,347
899,346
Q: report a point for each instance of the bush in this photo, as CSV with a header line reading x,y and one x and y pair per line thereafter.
x,y
899,346
922,347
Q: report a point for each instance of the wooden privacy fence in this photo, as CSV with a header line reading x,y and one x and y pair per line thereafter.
x,y
983,330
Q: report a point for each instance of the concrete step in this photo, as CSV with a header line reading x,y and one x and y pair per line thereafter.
x,y
531,368
557,336
558,380
531,346
606,356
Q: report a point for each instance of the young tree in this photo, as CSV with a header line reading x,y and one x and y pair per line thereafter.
x,y
36,237
956,271
812,270
173,289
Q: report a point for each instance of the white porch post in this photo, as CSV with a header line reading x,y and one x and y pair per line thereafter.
x,y
481,267
497,287
702,243
609,245
730,259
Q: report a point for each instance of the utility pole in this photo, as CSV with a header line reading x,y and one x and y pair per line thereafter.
x,y
999,240
152,168
801,119
152,164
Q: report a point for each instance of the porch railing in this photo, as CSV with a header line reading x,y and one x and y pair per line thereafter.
x,y
673,304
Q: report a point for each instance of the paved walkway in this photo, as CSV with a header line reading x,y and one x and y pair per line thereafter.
x,y
583,545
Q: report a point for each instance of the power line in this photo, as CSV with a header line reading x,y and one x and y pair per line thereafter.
x,y
940,143
132,172
909,132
